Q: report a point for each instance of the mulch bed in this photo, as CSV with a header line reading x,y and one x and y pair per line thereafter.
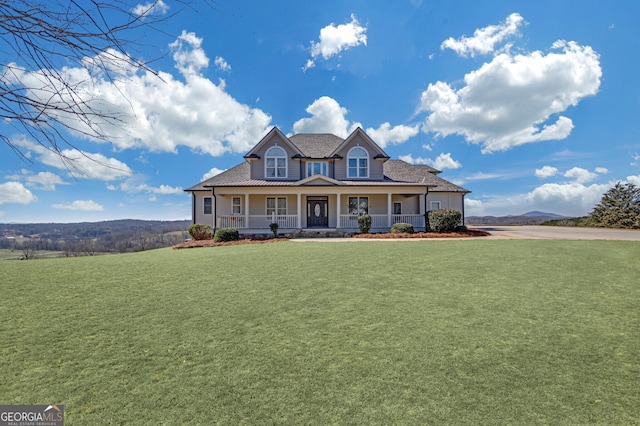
x,y
471,233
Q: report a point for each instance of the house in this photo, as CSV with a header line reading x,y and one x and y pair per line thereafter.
x,y
321,182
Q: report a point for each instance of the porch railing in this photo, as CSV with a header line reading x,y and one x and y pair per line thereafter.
x,y
289,221
381,221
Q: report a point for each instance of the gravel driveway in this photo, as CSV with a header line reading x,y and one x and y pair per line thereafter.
x,y
558,233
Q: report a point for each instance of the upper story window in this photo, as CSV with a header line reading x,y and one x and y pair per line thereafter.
x,y
358,163
317,168
276,164
208,205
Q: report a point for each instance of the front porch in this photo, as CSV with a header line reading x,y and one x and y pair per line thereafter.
x,y
255,224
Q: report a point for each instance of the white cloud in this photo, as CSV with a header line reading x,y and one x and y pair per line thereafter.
x,y
82,205
473,207
15,193
484,39
80,164
335,39
634,180
160,114
442,161
546,172
515,99
327,116
45,181
155,7
385,134
211,173
602,170
580,175
130,186
222,64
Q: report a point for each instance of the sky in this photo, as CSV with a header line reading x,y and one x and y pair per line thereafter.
x,y
529,105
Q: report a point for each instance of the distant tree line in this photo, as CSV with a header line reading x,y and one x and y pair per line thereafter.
x,y
88,239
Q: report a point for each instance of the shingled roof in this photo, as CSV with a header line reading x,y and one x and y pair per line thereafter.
x,y
320,145
396,172
401,171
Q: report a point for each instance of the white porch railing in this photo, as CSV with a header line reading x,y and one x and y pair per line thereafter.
x,y
289,221
381,221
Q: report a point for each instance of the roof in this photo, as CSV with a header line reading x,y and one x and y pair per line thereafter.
x,y
321,145
399,170
396,173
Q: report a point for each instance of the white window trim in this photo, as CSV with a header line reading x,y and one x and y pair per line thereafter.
x,y
233,199
276,205
324,165
349,156
358,198
435,205
276,157
204,205
394,206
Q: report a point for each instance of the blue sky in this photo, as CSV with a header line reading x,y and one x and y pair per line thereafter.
x,y
530,105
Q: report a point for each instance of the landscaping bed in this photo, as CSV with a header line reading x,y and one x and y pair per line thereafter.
x,y
462,234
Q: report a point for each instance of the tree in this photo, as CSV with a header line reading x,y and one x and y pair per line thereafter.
x,y
46,35
618,208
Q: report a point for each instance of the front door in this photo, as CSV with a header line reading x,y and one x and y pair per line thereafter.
x,y
317,212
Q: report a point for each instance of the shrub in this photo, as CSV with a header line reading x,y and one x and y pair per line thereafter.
x,y
444,220
461,228
226,234
274,228
402,228
364,222
198,231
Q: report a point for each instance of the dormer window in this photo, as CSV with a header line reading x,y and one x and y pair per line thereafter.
x,y
276,163
317,168
358,163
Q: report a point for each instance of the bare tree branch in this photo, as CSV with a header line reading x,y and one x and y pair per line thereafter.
x,y
42,37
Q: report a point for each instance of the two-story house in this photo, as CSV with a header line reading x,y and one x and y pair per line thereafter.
x,y
321,182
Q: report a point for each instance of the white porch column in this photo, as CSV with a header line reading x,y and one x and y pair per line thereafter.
x,y
338,210
246,210
421,205
389,209
299,207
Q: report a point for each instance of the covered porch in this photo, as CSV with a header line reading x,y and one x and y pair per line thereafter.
x,y
318,208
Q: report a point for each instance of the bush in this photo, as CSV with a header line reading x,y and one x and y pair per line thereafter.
x,y
226,234
198,231
364,222
461,228
274,228
402,228
444,220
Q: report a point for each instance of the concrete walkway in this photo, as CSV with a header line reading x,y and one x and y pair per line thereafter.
x,y
516,232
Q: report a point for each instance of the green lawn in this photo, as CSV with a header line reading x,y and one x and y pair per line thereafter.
x,y
378,332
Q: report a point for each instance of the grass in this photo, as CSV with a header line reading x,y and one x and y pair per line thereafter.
x,y
380,332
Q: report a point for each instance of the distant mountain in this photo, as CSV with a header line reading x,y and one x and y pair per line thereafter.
x,y
543,214
529,218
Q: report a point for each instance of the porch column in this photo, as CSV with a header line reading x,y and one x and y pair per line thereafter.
x,y
389,209
338,210
246,210
299,207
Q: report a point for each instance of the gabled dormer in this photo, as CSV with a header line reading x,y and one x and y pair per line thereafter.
x,y
274,158
362,158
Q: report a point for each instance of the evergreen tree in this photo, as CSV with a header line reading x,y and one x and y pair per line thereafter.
x,y
618,208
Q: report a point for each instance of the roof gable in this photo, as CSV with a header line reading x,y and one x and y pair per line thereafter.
x,y
361,133
273,133
320,180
